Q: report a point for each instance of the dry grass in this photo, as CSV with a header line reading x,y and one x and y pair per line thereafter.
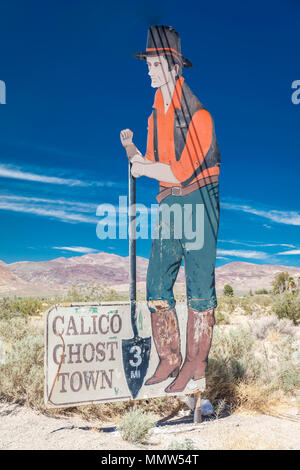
x,y
252,396
242,441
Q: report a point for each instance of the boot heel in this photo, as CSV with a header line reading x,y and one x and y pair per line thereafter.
x,y
175,372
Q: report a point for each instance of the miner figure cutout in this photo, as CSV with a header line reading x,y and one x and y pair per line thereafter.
x,y
183,155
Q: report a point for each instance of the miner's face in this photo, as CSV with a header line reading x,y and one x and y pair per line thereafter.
x,y
158,71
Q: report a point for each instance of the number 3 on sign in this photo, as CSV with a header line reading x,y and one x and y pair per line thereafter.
x,y
137,350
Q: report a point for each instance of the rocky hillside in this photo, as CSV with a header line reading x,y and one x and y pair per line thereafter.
x,y
57,275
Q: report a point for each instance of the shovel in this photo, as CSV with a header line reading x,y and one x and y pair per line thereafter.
x,y
135,351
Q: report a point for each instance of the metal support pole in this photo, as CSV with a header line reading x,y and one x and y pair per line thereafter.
x,y
132,248
197,412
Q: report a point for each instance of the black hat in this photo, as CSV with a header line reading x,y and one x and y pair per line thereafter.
x,y
163,40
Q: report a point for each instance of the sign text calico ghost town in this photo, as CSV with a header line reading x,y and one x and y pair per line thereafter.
x,y
84,355
103,351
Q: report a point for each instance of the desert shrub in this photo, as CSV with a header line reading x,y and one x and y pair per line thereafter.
x,y
280,282
287,305
136,426
247,305
221,317
21,376
228,290
261,291
231,360
262,326
263,300
14,329
187,444
22,307
242,367
285,370
233,343
226,305
93,294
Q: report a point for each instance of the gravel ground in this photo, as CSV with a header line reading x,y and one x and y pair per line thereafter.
x,y
23,428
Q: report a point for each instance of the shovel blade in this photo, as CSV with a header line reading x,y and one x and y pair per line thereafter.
x,y
136,357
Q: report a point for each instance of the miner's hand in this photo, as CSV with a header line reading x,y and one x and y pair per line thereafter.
x,y
126,137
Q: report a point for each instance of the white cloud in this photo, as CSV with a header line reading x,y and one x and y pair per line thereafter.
x,y
53,209
281,217
77,249
7,171
66,211
289,252
77,206
256,244
243,254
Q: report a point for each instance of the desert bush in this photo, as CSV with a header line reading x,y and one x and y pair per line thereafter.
x,y
284,371
91,293
21,376
231,360
263,300
221,317
136,426
22,307
233,343
240,364
226,305
261,291
280,282
14,329
228,290
247,304
187,444
287,305
262,326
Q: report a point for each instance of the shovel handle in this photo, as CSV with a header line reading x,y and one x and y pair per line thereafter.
x,y
132,248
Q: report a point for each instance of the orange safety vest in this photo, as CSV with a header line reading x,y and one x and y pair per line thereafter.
x,y
183,137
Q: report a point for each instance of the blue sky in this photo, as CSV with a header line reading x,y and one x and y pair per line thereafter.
x,y
72,84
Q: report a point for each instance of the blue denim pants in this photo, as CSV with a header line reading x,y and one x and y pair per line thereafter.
x,y
199,218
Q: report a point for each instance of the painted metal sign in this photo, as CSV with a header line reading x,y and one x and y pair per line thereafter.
x,y
91,357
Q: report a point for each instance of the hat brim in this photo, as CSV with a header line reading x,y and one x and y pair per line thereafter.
x,y
143,56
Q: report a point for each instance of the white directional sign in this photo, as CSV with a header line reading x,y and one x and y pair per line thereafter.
x,y
91,355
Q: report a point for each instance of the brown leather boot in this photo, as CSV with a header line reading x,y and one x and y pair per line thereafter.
x,y
198,341
165,331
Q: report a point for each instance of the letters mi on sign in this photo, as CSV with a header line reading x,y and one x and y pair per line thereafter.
x,y
84,362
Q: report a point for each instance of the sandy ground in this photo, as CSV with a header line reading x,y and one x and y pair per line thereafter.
x,y
23,428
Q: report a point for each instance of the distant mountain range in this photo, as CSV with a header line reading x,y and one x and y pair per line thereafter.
x,y
57,276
